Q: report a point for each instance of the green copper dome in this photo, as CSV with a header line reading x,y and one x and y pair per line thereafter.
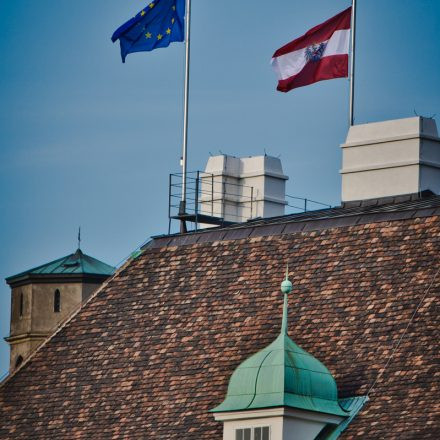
x,y
77,263
282,374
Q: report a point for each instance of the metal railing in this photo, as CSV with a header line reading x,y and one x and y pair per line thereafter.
x,y
219,200
307,204
211,198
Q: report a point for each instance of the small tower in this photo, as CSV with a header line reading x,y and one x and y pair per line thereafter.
x,y
284,393
44,296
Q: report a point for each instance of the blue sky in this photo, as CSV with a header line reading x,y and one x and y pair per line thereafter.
x,y
86,140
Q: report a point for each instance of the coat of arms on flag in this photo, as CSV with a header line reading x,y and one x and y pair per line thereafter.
x,y
320,54
315,52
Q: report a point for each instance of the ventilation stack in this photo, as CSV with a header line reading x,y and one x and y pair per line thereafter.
x,y
390,158
238,189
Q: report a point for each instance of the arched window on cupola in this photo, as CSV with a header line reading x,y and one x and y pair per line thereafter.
x,y
57,301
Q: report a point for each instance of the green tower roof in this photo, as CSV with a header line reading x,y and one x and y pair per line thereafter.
x,y
77,263
282,374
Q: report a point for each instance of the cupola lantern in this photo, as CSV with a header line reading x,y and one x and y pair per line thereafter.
x,y
282,393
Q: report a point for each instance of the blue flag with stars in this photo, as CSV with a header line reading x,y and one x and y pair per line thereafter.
x,y
157,25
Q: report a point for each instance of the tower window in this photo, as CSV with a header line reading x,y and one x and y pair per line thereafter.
x,y
18,361
21,304
57,301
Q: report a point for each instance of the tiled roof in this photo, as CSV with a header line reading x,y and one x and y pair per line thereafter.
x,y
76,263
152,351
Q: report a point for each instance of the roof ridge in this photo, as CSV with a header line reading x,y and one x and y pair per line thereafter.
x,y
323,219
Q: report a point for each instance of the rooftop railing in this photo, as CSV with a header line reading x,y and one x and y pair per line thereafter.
x,y
218,200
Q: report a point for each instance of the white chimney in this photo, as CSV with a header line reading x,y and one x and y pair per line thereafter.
x,y
240,188
390,158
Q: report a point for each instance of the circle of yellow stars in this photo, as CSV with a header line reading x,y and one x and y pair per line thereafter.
x,y
148,34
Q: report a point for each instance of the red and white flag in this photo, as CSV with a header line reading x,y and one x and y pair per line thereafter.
x,y
321,53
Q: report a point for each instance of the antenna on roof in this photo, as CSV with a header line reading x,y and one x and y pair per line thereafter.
x,y
79,237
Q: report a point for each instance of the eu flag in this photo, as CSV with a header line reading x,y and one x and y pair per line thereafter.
x,y
157,25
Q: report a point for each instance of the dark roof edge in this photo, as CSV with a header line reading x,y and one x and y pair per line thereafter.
x,y
336,218
28,278
427,193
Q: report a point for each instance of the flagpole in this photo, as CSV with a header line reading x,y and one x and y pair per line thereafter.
x,y
185,110
353,42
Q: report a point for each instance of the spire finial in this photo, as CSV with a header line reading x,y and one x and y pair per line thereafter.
x,y
79,238
286,288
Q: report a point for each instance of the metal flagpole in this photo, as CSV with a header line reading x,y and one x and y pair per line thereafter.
x,y
185,111
353,42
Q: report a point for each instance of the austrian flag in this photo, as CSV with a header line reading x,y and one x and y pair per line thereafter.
x,y
321,53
